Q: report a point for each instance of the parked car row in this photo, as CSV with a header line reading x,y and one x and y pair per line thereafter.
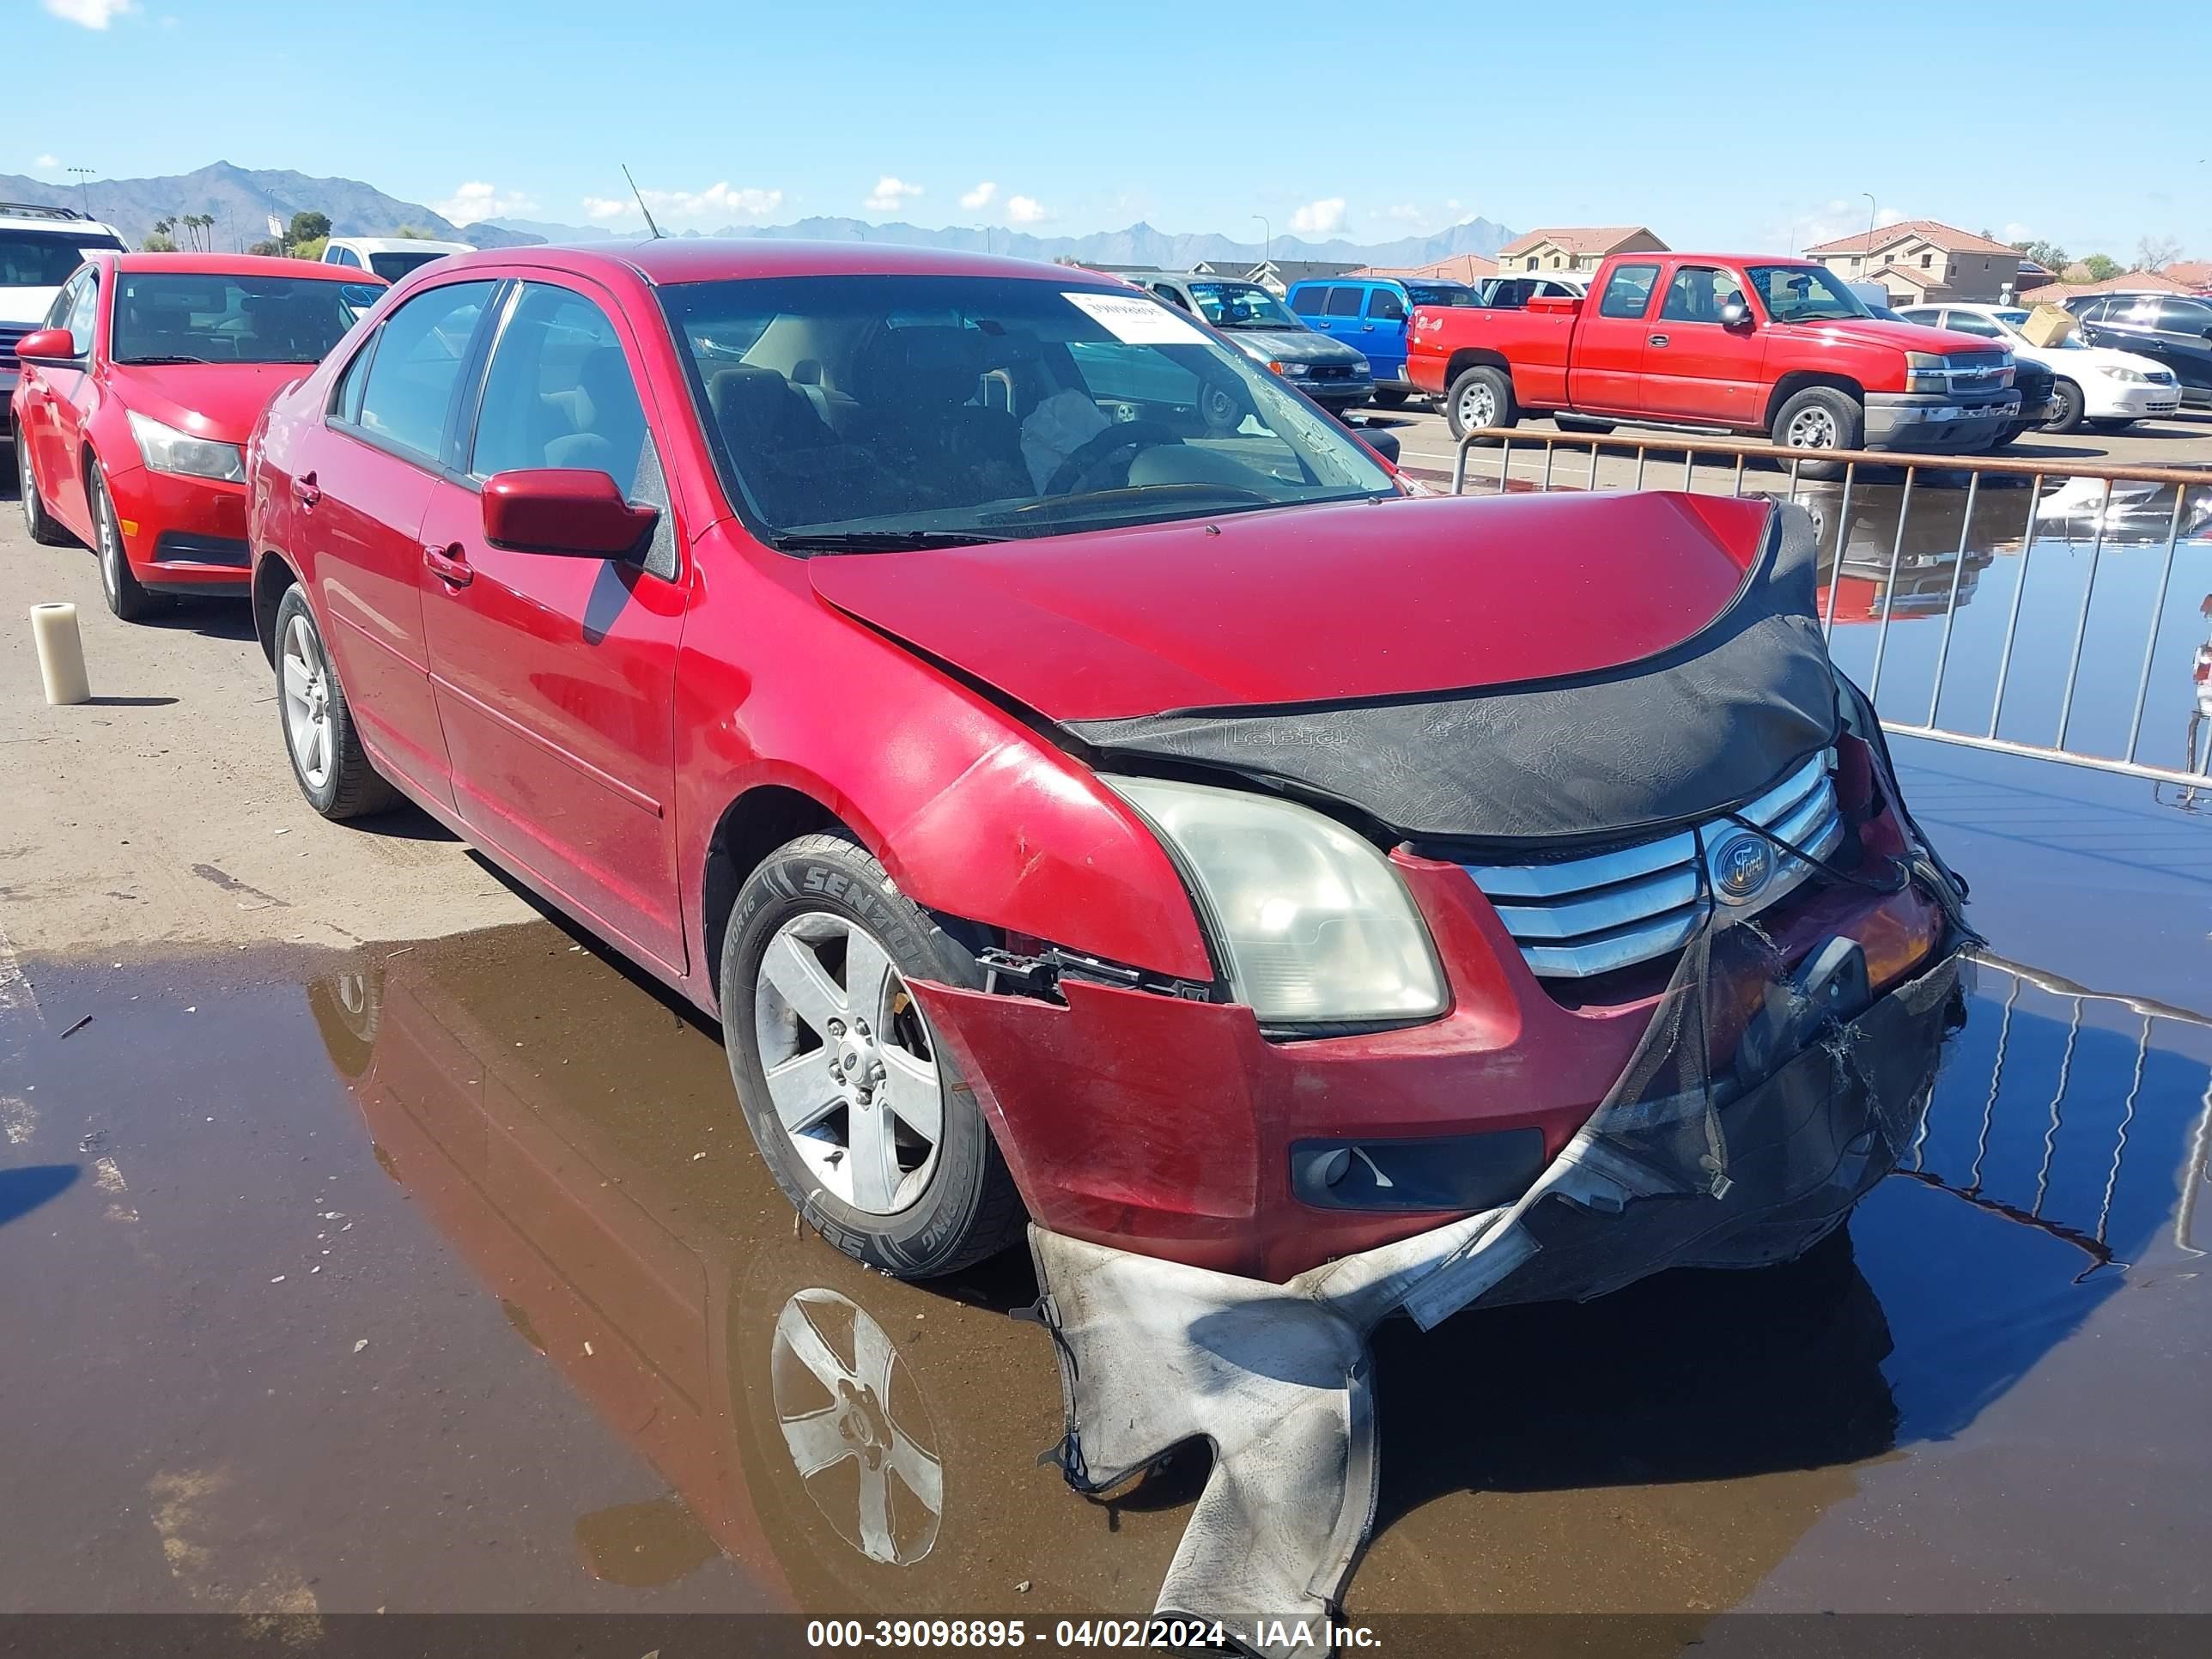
x,y
2098,387
908,657
2172,330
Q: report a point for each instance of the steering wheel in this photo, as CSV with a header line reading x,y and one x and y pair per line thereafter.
x,y
1086,458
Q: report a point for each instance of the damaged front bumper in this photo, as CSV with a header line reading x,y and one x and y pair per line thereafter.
x,y
1678,1167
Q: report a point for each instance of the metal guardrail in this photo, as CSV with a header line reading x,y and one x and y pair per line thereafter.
x,y
1694,451
2035,1210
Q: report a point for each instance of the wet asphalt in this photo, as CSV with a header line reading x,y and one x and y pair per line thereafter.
x,y
443,1277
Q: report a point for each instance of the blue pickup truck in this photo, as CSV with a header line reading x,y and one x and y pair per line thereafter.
x,y
1370,314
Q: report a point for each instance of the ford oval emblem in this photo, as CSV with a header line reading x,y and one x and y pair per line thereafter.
x,y
1741,866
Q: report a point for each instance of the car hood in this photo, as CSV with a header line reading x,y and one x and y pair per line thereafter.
x,y
25,305
1348,600
1294,345
1899,337
2091,357
217,401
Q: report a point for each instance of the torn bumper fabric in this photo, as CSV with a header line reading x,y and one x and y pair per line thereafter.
x,y
1684,1164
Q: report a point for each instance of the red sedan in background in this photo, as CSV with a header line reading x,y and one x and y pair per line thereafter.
x,y
136,399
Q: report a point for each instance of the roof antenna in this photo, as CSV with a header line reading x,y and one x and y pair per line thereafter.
x,y
641,207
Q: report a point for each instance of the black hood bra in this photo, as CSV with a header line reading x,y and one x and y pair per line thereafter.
x,y
1705,725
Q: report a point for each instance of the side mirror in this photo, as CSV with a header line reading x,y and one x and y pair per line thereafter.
x,y
47,345
557,510
1384,444
1735,313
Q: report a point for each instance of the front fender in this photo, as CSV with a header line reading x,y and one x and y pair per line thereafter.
x,y
970,811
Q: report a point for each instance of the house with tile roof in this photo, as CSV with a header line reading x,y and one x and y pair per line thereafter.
x,y
1472,268
1574,247
1923,260
2127,281
2196,275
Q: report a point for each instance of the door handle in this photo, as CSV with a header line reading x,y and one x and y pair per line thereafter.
x,y
1367,328
1658,339
304,490
447,565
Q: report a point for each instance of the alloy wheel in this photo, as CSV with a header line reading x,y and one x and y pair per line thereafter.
x,y
851,1072
25,486
110,538
897,1523
1811,428
306,691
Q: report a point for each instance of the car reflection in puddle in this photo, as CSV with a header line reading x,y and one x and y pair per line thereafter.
x,y
860,1445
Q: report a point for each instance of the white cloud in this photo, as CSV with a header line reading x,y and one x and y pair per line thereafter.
x,y
1026,210
48,164
980,196
1405,213
1321,218
889,195
602,208
2018,233
476,200
91,13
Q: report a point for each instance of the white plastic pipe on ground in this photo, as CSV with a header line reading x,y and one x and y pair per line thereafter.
x,y
61,653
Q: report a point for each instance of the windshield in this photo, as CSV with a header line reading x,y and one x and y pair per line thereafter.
x,y
1803,294
1440,294
392,266
870,413
45,259
1241,305
178,318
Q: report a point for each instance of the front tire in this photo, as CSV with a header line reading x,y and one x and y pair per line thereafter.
x,y
44,527
1820,417
125,594
328,762
860,1112
2071,408
1481,397
1391,397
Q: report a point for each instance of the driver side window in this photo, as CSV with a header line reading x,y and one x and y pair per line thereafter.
x,y
83,306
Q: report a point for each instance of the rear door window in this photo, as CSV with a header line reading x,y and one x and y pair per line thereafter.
x,y
1307,301
421,352
1628,291
1343,301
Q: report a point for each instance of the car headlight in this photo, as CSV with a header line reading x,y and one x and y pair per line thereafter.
x,y
165,449
1291,371
1923,372
1313,923
2120,372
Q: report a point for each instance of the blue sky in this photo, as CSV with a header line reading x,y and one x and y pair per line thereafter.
x,y
1750,126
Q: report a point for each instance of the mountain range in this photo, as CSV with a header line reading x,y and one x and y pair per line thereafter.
x,y
242,199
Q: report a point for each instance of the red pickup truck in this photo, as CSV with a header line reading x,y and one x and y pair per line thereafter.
x,y
1744,344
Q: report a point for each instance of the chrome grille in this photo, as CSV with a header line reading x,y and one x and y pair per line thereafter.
x,y
1577,917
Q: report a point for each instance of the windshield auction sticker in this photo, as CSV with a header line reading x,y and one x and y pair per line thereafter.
x,y
1134,320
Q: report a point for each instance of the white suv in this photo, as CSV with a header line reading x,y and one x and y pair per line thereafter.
x,y
388,257
2097,385
40,248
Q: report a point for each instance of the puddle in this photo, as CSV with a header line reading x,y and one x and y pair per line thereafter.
x,y
447,1277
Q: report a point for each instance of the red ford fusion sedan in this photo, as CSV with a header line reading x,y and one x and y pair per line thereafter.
x,y
135,398
1078,777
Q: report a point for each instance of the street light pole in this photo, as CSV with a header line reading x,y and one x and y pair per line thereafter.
x,y
83,196
1268,232
1866,260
